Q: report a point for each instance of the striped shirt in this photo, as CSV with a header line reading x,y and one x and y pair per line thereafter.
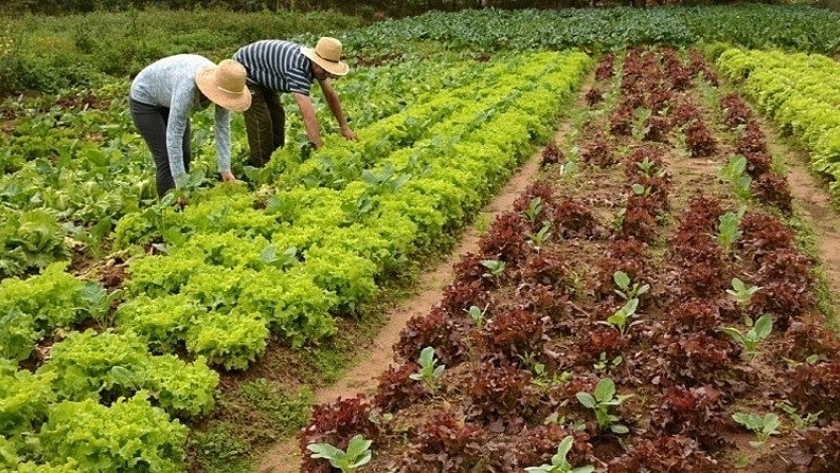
x,y
277,65
170,83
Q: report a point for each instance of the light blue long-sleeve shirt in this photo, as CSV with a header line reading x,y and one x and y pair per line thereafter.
x,y
170,83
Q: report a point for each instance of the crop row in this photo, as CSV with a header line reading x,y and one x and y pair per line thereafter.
x,y
800,93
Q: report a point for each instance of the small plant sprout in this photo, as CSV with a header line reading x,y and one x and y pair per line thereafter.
x,y
625,289
538,239
559,464
799,422
742,293
735,172
532,213
358,454
477,315
430,371
495,267
750,340
728,229
603,364
543,379
618,220
622,316
601,401
640,120
763,427
647,168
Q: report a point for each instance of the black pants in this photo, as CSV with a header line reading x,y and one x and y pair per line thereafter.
x,y
265,122
151,121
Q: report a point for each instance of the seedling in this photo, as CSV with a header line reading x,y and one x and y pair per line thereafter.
x,y
763,427
559,463
601,401
620,318
742,293
495,267
750,340
603,364
625,289
532,213
728,229
618,219
735,172
800,422
647,168
358,454
639,127
477,315
537,239
430,371
542,378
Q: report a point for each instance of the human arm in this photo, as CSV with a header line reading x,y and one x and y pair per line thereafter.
x,y
223,146
179,116
335,106
310,121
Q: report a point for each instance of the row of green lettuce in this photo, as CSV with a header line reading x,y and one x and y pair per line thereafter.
x,y
801,93
280,260
68,174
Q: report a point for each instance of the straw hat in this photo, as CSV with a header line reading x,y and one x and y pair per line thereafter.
x,y
225,85
327,54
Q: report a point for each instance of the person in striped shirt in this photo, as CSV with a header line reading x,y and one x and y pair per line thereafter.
x,y
276,66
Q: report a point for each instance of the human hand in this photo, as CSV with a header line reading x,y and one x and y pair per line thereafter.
x,y
228,176
349,134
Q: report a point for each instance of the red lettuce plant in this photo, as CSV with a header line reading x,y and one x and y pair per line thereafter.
x,y
773,190
436,329
445,443
397,390
666,454
336,424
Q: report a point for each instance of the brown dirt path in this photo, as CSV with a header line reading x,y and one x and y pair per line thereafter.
x,y
285,457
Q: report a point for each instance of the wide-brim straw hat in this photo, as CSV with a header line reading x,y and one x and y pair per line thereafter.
x,y
225,85
327,54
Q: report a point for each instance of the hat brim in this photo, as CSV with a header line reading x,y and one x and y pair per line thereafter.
x,y
339,68
205,79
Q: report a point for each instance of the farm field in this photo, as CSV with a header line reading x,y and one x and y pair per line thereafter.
x,y
658,294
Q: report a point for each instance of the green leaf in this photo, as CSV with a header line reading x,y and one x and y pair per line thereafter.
x,y
763,326
605,390
586,399
619,429
621,279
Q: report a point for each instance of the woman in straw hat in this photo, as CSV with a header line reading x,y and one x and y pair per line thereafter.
x,y
165,93
276,66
